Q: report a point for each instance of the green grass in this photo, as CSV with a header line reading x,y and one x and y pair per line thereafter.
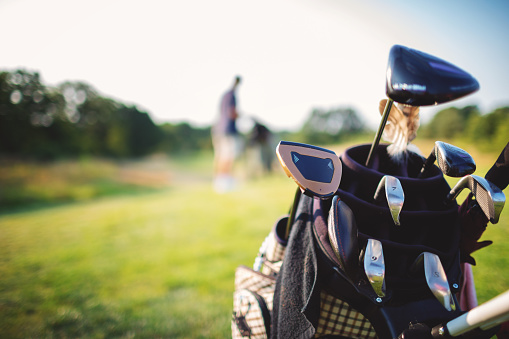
x,y
27,184
159,263
151,265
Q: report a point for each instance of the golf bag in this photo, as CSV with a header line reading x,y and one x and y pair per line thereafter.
x,y
301,287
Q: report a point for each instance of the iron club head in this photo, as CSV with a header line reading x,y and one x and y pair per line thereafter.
x,y
435,278
394,194
374,266
489,197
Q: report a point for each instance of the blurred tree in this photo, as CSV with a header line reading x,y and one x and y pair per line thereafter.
x,y
501,137
91,117
70,120
24,108
490,131
450,123
331,126
184,137
141,134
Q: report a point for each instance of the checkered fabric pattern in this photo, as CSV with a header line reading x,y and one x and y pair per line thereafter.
x,y
248,321
246,278
271,268
338,318
275,251
249,285
273,256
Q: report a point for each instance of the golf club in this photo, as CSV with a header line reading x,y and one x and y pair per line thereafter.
x,y
452,160
419,79
486,316
374,266
489,197
317,171
342,230
435,278
394,195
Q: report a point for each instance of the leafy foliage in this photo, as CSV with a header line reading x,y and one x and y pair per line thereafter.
x,y
331,126
487,131
73,119
183,137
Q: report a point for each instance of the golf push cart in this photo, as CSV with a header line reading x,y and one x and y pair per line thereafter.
x,y
375,244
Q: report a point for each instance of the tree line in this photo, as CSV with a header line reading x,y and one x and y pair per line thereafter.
x,y
489,132
73,119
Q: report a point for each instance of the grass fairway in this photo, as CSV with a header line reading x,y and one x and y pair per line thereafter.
x,y
149,265
158,264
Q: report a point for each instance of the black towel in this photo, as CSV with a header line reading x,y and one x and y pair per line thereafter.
x,y
296,300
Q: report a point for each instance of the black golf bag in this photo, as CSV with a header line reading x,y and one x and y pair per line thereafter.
x,y
301,288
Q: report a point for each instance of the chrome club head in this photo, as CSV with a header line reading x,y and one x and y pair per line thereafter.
x,y
489,197
452,161
435,278
374,266
394,194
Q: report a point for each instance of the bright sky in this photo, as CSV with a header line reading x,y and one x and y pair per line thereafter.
x,y
174,59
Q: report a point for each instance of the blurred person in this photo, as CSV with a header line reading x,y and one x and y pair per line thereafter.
x,y
261,148
225,140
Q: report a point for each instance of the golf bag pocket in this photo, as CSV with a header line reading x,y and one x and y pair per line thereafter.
x,y
272,251
276,242
252,304
251,317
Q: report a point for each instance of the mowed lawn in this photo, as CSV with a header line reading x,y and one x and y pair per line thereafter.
x,y
153,265
158,264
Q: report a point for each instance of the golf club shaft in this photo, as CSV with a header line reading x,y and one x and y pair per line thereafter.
x,y
486,316
427,164
378,135
293,210
456,190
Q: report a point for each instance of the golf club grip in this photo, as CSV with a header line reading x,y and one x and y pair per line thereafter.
x,y
499,172
486,316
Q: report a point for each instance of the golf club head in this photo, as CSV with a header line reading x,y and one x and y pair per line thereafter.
x,y
489,197
343,233
435,278
452,161
499,172
316,170
419,79
394,194
374,266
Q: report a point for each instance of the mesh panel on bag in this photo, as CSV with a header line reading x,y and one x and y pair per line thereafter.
x,y
338,318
